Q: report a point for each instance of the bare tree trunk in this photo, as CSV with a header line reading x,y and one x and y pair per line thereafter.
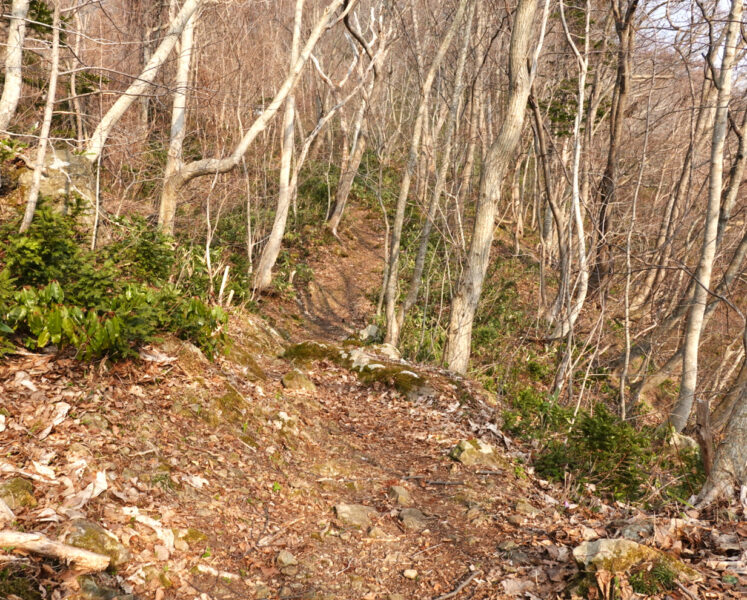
x,y
566,324
41,152
417,275
390,296
98,140
346,182
496,164
167,210
626,37
208,166
703,123
13,63
723,410
729,470
263,275
682,409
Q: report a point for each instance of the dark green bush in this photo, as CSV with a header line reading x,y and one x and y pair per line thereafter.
x,y
53,290
597,447
602,450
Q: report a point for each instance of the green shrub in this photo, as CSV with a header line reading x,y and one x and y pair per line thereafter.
x,y
597,447
53,290
602,450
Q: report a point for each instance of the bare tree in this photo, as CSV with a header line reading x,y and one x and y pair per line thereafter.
x,y
497,161
13,62
392,329
681,411
211,166
263,274
41,151
179,109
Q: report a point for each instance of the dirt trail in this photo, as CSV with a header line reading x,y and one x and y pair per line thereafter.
x,y
347,274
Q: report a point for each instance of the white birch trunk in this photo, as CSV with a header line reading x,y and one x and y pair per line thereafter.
x,y
167,211
683,407
143,81
212,166
13,62
33,194
263,274
496,164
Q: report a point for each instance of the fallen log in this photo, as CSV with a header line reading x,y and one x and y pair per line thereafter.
x,y
38,543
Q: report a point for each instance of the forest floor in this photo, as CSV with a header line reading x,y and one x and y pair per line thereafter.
x,y
259,476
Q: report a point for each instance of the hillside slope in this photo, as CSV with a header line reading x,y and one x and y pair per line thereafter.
x,y
319,470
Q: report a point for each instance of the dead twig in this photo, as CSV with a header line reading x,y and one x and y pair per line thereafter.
x,y
685,591
458,588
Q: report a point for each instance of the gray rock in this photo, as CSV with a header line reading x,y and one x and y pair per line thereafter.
x,y
66,176
621,555
475,452
523,507
400,495
412,519
369,334
355,515
638,530
94,587
679,440
286,559
296,380
91,536
388,350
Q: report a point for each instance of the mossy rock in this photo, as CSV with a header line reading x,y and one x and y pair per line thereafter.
x,y
190,357
193,536
296,380
369,368
401,378
476,453
100,586
258,336
623,556
308,351
228,408
245,358
18,493
91,536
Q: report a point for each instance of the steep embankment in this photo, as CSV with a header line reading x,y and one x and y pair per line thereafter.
x,y
302,471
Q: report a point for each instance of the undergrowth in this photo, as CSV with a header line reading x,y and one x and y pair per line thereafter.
x,y
54,291
596,448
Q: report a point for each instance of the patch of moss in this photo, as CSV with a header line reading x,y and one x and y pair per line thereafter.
x,y
311,351
91,536
232,404
161,477
16,580
654,579
194,536
244,357
403,380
